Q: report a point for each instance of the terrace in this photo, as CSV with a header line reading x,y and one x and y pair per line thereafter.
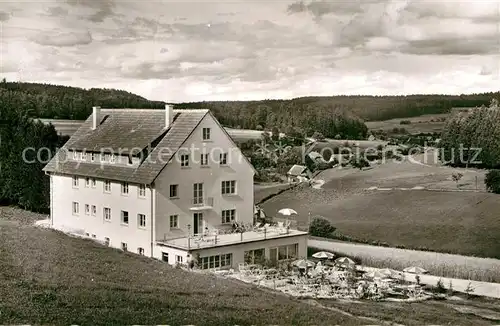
x,y
218,239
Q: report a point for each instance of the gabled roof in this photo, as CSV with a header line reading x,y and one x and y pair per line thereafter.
x,y
297,170
123,129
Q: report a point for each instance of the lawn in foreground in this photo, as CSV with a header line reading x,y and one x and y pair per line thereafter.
x,y
49,278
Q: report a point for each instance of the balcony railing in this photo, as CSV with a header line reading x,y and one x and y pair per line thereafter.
x,y
202,203
214,239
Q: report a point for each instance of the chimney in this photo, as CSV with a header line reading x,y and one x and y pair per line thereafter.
x,y
96,115
169,115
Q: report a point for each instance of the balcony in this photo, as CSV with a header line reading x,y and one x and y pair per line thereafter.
x,y
216,239
200,204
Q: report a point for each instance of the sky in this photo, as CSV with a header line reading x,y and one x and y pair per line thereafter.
x,y
186,51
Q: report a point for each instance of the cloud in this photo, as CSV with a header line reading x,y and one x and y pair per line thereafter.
x,y
325,7
63,39
4,16
238,50
101,9
57,12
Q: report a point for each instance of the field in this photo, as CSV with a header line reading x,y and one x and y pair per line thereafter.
x,y
428,123
262,191
49,278
380,204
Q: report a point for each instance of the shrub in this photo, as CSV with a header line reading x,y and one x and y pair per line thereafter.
x,y
405,122
440,286
318,136
321,227
492,181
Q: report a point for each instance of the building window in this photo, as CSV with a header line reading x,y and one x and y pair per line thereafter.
x,y
106,241
93,183
206,133
184,160
107,214
228,187
164,256
174,221
93,236
124,188
140,251
124,219
174,193
107,186
204,160
284,252
228,216
75,182
178,259
124,246
75,155
84,156
94,210
255,256
223,159
87,209
112,158
87,182
107,157
141,220
142,190
92,157
76,208
216,261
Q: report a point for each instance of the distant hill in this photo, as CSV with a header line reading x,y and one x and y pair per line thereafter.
x,y
332,116
63,102
368,108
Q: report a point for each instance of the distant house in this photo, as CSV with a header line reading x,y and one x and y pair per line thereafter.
x,y
298,173
316,157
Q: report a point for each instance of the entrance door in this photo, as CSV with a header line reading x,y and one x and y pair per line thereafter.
x,y
197,193
197,223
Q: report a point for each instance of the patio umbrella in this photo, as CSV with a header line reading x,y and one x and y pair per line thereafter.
x,y
390,272
376,274
287,212
323,255
415,270
303,263
345,260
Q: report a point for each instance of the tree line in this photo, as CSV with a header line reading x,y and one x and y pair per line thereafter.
x,y
25,148
473,138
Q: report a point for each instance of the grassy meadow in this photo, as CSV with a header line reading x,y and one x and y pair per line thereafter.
x,y
428,123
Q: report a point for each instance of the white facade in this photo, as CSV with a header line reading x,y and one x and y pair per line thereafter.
x,y
87,206
64,194
211,176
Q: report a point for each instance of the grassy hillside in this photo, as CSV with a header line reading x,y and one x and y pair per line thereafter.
x,y
49,278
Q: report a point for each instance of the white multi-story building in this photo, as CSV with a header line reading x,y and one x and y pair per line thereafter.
x,y
165,184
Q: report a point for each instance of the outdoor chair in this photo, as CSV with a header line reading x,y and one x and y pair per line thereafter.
x,y
266,226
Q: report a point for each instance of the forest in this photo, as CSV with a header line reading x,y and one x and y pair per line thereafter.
x,y
472,138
